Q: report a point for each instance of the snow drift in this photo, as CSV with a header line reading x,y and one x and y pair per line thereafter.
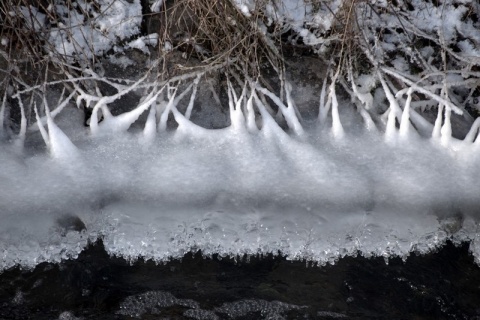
x,y
242,190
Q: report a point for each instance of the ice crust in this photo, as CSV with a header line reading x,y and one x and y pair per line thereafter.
x,y
235,193
152,302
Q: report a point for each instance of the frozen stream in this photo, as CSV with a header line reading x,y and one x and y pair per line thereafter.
x,y
231,192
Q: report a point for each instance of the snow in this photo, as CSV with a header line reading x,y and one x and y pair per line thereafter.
x,y
167,47
80,37
253,187
33,17
122,61
233,192
149,302
245,6
141,43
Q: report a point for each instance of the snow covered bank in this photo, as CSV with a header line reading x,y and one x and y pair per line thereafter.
x,y
233,192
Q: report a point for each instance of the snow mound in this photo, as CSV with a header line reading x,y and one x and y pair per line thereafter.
x,y
234,193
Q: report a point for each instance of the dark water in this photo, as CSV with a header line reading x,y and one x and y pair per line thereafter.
x,y
441,285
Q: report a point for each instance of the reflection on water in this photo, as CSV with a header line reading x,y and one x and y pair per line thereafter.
x,y
438,285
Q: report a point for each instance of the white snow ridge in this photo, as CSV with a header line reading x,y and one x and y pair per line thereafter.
x,y
375,175
250,188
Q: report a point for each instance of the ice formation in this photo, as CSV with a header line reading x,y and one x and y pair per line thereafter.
x,y
314,191
361,178
83,29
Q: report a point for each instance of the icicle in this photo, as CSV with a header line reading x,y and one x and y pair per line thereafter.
x,y
269,124
230,93
232,97
104,101
188,113
290,102
265,103
390,129
185,126
23,123
94,119
367,119
162,126
2,112
239,116
438,123
105,112
446,132
161,105
41,128
150,130
477,140
472,133
424,91
62,103
60,145
423,126
337,128
405,123
366,102
289,115
365,98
